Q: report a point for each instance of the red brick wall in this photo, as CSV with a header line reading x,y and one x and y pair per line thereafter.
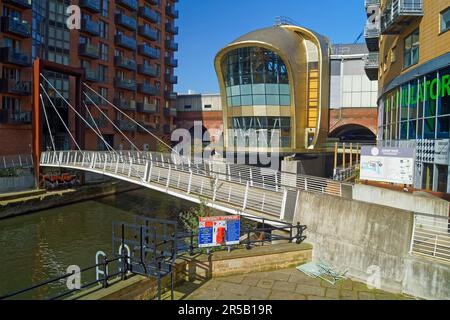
x,y
365,117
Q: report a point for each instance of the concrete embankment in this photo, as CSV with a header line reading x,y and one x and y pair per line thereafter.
x,y
32,201
373,242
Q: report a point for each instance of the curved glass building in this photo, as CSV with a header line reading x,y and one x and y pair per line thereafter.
x,y
274,85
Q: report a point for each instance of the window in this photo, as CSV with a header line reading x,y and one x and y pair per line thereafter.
x,y
208,106
103,52
103,29
187,107
105,8
103,73
411,54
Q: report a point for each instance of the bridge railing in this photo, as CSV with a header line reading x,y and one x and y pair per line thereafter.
x,y
241,186
16,161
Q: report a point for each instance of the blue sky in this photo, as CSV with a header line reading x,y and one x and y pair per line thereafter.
x,y
208,25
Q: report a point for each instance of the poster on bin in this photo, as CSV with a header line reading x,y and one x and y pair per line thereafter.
x,y
218,231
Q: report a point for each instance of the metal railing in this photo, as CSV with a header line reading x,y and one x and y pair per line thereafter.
x,y
16,161
431,236
241,186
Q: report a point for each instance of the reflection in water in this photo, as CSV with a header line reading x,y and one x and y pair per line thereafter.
x,y
42,245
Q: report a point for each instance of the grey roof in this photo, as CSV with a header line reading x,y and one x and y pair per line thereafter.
x,y
354,48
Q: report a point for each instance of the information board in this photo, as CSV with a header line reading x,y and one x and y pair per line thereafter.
x,y
394,165
219,231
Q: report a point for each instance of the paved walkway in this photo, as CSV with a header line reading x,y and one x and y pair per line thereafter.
x,y
289,284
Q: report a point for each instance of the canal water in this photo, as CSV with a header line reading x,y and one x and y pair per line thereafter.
x,y
40,246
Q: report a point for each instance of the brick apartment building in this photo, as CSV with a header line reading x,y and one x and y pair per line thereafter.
x,y
125,48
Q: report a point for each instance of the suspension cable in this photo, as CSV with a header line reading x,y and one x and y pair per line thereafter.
x,y
47,122
73,109
112,122
60,118
108,146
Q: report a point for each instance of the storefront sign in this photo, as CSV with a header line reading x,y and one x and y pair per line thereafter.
x,y
219,231
394,165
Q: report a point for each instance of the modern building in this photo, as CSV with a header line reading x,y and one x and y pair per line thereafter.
x,y
275,82
353,96
206,109
125,50
413,49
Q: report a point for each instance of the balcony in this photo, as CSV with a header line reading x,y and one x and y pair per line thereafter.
x,y
170,112
22,88
171,45
91,75
370,3
148,70
125,63
170,28
171,62
147,107
171,78
171,12
89,26
126,84
130,4
88,50
148,32
11,56
399,14
124,125
93,99
127,105
372,34
126,21
7,116
149,14
167,129
125,42
148,51
169,95
371,65
148,89
23,4
90,5
17,27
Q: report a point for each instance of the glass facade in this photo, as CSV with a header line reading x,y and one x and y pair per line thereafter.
x,y
255,76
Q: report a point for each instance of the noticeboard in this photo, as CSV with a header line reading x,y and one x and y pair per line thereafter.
x,y
393,165
218,231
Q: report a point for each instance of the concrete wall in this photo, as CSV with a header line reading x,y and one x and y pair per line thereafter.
x,y
14,184
366,238
401,200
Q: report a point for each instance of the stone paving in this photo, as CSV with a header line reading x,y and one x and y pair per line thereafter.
x,y
289,284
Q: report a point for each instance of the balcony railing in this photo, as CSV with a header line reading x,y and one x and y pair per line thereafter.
x,y
128,105
371,65
171,12
148,70
88,50
170,112
23,4
126,21
125,42
89,26
169,95
398,14
126,84
171,62
170,28
171,45
16,27
22,88
148,32
91,75
90,5
6,116
372,35
94,99
147,107
149,14
11,56
369,3
125,63
148,51
130,4
171,78
148,89
124,125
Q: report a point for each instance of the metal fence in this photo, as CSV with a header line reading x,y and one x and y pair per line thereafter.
x,y
431,236
16,161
